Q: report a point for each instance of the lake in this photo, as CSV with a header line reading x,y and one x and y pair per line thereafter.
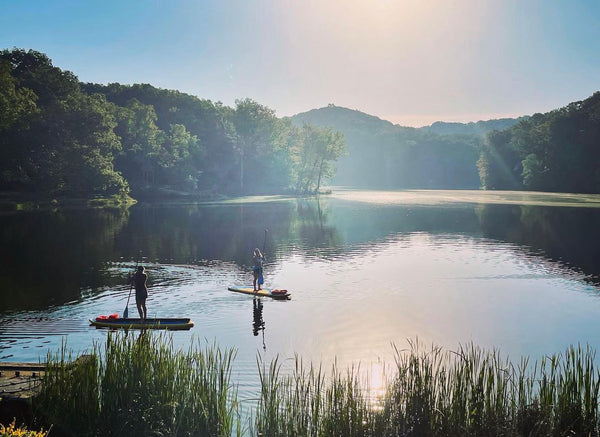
x,y
367,270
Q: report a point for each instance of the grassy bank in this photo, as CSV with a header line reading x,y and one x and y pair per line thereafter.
x,y
140,385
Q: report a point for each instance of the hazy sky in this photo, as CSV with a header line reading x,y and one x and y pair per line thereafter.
x,y
408,61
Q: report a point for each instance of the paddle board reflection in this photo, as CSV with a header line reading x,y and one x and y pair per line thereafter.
x,y
258,324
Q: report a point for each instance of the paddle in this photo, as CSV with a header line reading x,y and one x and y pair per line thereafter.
x,y
126,312
260,278
265,242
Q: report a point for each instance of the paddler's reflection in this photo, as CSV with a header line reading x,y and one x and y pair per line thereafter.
x,y
143,337
258,324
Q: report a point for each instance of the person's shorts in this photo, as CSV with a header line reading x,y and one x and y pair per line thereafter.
x,y
141,295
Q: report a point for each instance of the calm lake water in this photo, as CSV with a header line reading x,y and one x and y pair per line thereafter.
x,y
367,270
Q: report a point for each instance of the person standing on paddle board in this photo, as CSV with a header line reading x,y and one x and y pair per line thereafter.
x,y
257,270
141,290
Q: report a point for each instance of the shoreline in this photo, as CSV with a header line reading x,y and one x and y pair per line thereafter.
x,y
15,201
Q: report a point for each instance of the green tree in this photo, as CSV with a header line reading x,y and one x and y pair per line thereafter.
x,y
141,143
254,129
180,158
151,157
556,151
67,145
15,102
210,123
320,147
34,70
533,169
280,172
75,148
17,106
499,163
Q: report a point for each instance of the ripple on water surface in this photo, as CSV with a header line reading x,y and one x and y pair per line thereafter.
x,y
349,303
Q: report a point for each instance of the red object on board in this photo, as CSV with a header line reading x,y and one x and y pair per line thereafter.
x,y
111,317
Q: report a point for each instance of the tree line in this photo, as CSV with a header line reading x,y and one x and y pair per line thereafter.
x,y
556,151
59,136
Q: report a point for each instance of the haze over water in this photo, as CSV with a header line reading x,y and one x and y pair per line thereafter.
x,y
512,271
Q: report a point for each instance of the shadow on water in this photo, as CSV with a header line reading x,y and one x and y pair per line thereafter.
x,y
53,258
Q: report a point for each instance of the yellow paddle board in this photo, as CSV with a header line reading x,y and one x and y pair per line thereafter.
x,y
265,292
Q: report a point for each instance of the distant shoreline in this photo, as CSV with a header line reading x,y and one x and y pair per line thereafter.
x,y
12,201
18,201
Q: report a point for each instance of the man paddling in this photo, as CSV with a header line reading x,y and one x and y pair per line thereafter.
x,y
141,290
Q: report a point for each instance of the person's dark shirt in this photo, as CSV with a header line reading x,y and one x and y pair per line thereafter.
x,y
139,281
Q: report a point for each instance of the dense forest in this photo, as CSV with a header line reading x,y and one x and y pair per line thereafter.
x,y
556,151
60,137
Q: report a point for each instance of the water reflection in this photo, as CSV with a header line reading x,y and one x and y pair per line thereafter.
x,y
258,324
47,257
362,276
567,235
53,258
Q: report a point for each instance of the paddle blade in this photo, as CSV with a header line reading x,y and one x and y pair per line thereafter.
x,y
126,313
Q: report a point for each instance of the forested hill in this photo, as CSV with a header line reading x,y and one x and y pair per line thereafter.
x,y
349,119
59,137
356,120
384,155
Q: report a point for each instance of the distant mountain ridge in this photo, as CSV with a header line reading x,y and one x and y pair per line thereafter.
x,y
336,116
480,127
332,115
381,154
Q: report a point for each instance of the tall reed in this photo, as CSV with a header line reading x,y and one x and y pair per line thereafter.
x,y
308,402
473,392
136,385
433,392
139,384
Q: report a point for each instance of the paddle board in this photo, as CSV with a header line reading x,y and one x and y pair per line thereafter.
x,y
263,292
163,323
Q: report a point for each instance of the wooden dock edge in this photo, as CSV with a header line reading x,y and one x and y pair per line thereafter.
x,y
19,382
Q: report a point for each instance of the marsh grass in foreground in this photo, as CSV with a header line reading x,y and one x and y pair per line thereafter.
x,y
310,402
473,392
432,392
139,385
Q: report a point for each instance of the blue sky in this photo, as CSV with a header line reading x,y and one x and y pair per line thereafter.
x,y
408,61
